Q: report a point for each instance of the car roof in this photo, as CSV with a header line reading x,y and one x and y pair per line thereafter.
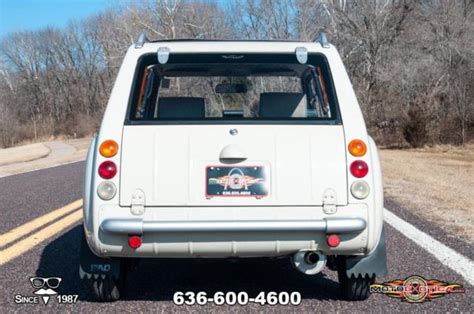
x,y
188,45
229,46
224,40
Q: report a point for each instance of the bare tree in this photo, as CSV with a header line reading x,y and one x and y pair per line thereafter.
x,y
411,62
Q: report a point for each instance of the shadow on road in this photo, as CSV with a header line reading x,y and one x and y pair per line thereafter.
x,y
159,279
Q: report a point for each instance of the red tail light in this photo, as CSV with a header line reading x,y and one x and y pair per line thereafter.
x,y
107,169
333,240
359,169
135,241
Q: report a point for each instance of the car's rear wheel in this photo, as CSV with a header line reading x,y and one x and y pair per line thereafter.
x,y
106,289
353,288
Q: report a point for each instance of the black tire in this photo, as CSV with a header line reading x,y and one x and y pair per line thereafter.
x,y
331,262
106,289
353,288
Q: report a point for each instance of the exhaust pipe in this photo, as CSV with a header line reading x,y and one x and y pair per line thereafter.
x,y
309,262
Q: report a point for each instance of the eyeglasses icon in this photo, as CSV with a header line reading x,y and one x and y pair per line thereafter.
x,y
40,282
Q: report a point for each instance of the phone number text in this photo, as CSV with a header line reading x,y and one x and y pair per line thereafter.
x,y
236,298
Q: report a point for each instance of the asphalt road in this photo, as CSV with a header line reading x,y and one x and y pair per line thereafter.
x,y
27,196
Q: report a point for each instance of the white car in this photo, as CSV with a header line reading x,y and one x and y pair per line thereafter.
x,y
233,149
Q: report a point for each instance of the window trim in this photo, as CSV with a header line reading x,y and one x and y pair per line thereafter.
x,y
335,120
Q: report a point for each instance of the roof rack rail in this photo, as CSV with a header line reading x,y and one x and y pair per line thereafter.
x,y
142,39
323,40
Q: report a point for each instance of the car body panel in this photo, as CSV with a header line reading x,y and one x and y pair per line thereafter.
x,y
138,157
169,163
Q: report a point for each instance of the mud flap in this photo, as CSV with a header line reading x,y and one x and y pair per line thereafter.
x,y
92,266
374,264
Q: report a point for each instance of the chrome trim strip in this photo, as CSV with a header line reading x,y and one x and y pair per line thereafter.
x,y
327,225
344,225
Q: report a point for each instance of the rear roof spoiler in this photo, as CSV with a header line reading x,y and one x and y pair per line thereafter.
x,y
142,39
323,40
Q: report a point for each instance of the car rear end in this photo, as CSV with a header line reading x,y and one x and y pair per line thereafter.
x,y
233,149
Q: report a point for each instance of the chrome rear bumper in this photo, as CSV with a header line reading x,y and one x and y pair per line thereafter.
x,y
326,225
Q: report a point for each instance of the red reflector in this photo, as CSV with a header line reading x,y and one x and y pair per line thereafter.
x,y
359,169
134,242
107,170
333,240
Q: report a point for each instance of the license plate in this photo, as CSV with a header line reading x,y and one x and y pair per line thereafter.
x,y
236,181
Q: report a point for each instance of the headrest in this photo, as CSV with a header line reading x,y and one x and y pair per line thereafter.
x,y
181,108
282,105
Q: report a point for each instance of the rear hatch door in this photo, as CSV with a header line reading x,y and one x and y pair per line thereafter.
x,y
263,165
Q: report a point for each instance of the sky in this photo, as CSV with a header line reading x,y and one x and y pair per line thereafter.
x,y
18,15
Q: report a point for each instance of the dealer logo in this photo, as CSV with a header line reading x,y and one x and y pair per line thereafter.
x,y
45,287
416,289
44,291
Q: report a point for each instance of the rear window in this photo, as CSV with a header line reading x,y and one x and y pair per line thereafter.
x,y
215,88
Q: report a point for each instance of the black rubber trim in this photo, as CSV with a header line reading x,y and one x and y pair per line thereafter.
x,y
236,122
140,66
373,264
91,264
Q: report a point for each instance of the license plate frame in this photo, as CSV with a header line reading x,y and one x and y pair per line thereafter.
x,y
236,181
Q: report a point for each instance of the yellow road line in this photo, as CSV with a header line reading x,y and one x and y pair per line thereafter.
x,y
36,238
28,227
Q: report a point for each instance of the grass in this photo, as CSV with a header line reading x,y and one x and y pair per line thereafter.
x,y
436,183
